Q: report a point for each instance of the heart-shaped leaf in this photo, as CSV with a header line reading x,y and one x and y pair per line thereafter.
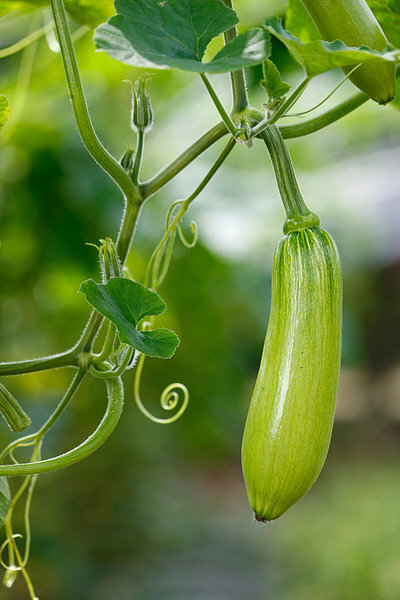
x,y
175,34
125,303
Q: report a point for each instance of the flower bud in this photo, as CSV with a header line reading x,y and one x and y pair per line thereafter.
x,y
142,114
13,413
127,160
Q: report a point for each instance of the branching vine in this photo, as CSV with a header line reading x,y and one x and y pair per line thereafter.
x,y
124,309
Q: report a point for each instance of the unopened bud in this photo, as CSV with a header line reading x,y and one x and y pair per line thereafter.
x,y
142,114
127,160
13,413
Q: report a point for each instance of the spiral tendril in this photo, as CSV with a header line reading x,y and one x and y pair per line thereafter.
x,y
158,265
194,231
169,399
11,567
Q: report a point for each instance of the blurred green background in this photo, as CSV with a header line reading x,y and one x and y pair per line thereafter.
x,y
161,512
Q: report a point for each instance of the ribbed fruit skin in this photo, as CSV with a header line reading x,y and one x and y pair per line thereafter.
x,y
353,22
290,419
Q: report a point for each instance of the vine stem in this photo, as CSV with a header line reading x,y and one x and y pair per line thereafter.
x,y
238,80
287,105
107,425
138,156
324,119
297,212
75,383
219,106
82,117
64,359
148,189
33,438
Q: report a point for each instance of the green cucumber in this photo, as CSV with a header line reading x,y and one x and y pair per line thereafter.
x,y
353,22
290,419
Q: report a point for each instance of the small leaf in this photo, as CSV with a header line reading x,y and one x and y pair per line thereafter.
x,y
160,342
299,22
125,303
5,498
272,82
319,56
4,110
175,34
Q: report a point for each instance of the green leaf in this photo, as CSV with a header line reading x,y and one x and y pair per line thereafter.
x,y
272,82
4,110
125,303
319,56
387,12
5,498
175,34
248,48
299,22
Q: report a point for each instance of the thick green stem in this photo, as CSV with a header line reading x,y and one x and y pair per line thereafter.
x,y
298,214
65,359
323,120
93,442
82,117
238,81
149,188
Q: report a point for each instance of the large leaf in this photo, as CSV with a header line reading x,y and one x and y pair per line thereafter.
x,y
319,56
4,110
5,498
248,48
125,303
175,33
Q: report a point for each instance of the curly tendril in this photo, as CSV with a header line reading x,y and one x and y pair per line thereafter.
x,y
158,265
169,399
194,232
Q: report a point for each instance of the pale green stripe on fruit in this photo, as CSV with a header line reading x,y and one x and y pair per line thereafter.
x,y
290,418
